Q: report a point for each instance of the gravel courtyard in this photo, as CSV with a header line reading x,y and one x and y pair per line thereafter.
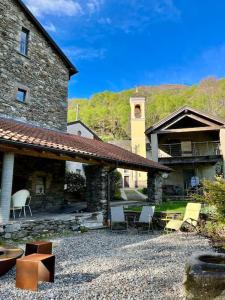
x,y
104,265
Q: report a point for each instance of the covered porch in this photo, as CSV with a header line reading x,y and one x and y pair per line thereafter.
x,y
34,158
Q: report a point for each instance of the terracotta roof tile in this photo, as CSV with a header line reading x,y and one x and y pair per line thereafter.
x,y
29,135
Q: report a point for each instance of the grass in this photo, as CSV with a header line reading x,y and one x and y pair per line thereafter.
x,y
132,196
172,206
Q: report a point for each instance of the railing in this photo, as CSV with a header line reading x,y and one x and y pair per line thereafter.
x,y
188,148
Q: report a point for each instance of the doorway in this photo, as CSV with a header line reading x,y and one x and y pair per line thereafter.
x,y
126,182
188,174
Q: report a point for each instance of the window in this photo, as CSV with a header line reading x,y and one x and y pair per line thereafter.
x,y
21,95
79,132
137,111
24,38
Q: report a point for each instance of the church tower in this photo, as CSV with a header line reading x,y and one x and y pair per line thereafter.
x,y
138,139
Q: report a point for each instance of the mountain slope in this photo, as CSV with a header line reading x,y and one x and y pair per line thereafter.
x,y
108,113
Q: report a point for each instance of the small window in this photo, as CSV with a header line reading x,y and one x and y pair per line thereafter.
x,y
137,111
21,95
24,38
79,132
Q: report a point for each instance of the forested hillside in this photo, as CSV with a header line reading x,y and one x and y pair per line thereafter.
x,y
108,113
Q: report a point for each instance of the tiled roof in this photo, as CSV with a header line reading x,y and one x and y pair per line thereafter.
x,y
27,135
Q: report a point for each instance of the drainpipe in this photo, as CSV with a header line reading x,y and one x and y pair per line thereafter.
x,y
6,187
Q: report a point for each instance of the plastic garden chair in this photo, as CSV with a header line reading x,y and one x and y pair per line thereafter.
x,y
145,219
21,200
191,217
118,219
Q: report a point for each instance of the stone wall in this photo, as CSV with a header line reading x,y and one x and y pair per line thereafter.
x,y
42,72
27,174
154,187
97,189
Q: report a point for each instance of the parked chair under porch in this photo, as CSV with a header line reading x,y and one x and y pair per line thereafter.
x,y
21,200
145,219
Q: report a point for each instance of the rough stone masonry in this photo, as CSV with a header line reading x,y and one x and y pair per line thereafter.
x,y
42,72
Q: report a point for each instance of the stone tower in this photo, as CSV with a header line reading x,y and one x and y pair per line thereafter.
x,y
138,139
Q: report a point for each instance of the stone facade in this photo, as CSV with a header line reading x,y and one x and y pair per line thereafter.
x,y
96,189
154,187
31,172
42,73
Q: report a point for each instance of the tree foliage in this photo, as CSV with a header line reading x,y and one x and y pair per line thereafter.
x,y
108,113
214,194
75,182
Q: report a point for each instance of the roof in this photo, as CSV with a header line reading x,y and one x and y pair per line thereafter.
x,y
85,126
184,110
31,17
24,135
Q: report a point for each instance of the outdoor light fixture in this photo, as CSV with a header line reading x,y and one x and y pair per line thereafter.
x,y
164,175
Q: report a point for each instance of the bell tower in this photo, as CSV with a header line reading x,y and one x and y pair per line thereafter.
x,y
138,139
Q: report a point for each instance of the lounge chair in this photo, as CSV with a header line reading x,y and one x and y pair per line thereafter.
x,y
191,217
145,219
21,200
118,221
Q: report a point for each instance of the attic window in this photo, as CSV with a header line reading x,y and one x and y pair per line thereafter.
x,y
79,132
24,39
137,111
21,95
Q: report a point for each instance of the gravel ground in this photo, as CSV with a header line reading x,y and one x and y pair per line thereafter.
x,y
105,265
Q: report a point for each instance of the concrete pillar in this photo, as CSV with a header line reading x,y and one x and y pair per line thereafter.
x,y
222,147
154,187
154,146
6,186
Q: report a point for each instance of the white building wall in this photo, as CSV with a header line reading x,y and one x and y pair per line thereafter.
x,y
75,129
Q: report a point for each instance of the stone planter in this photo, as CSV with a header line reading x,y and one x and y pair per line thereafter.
x,y
205,276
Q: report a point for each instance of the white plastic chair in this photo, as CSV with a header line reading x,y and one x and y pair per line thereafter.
x,y
146,216
118,217
21,200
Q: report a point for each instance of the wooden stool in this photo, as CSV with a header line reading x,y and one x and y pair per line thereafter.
x,y
33,268
38,247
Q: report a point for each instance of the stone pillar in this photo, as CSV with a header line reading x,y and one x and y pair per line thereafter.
x,y
97,189
154,187
154,146
222,147
6,186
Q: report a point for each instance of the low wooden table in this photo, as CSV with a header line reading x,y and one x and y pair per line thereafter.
x,y
34,268
39,247
167,215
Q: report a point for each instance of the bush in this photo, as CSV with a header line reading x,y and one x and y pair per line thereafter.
x,y
214,194
75,182
116,183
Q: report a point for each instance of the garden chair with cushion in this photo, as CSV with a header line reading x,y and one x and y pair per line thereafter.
x,y
145,219
21,200
118,221
190,218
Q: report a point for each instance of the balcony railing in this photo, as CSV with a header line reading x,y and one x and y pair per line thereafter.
x,y
189,149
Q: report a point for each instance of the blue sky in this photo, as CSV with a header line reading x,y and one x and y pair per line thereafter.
x,y
120,44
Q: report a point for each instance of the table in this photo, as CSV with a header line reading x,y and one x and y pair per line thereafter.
x,y
8,256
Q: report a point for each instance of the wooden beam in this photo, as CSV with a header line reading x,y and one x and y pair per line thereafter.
x,y
196,129
47,154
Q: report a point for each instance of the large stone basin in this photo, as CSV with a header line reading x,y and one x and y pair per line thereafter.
x,y
8,256
205,276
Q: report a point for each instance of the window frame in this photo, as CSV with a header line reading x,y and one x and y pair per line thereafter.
x,y
24,43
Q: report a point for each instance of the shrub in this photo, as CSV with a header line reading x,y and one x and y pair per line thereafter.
x,y
214,194
75,182
116,183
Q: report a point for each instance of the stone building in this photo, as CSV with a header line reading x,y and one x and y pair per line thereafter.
x,y
34,144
